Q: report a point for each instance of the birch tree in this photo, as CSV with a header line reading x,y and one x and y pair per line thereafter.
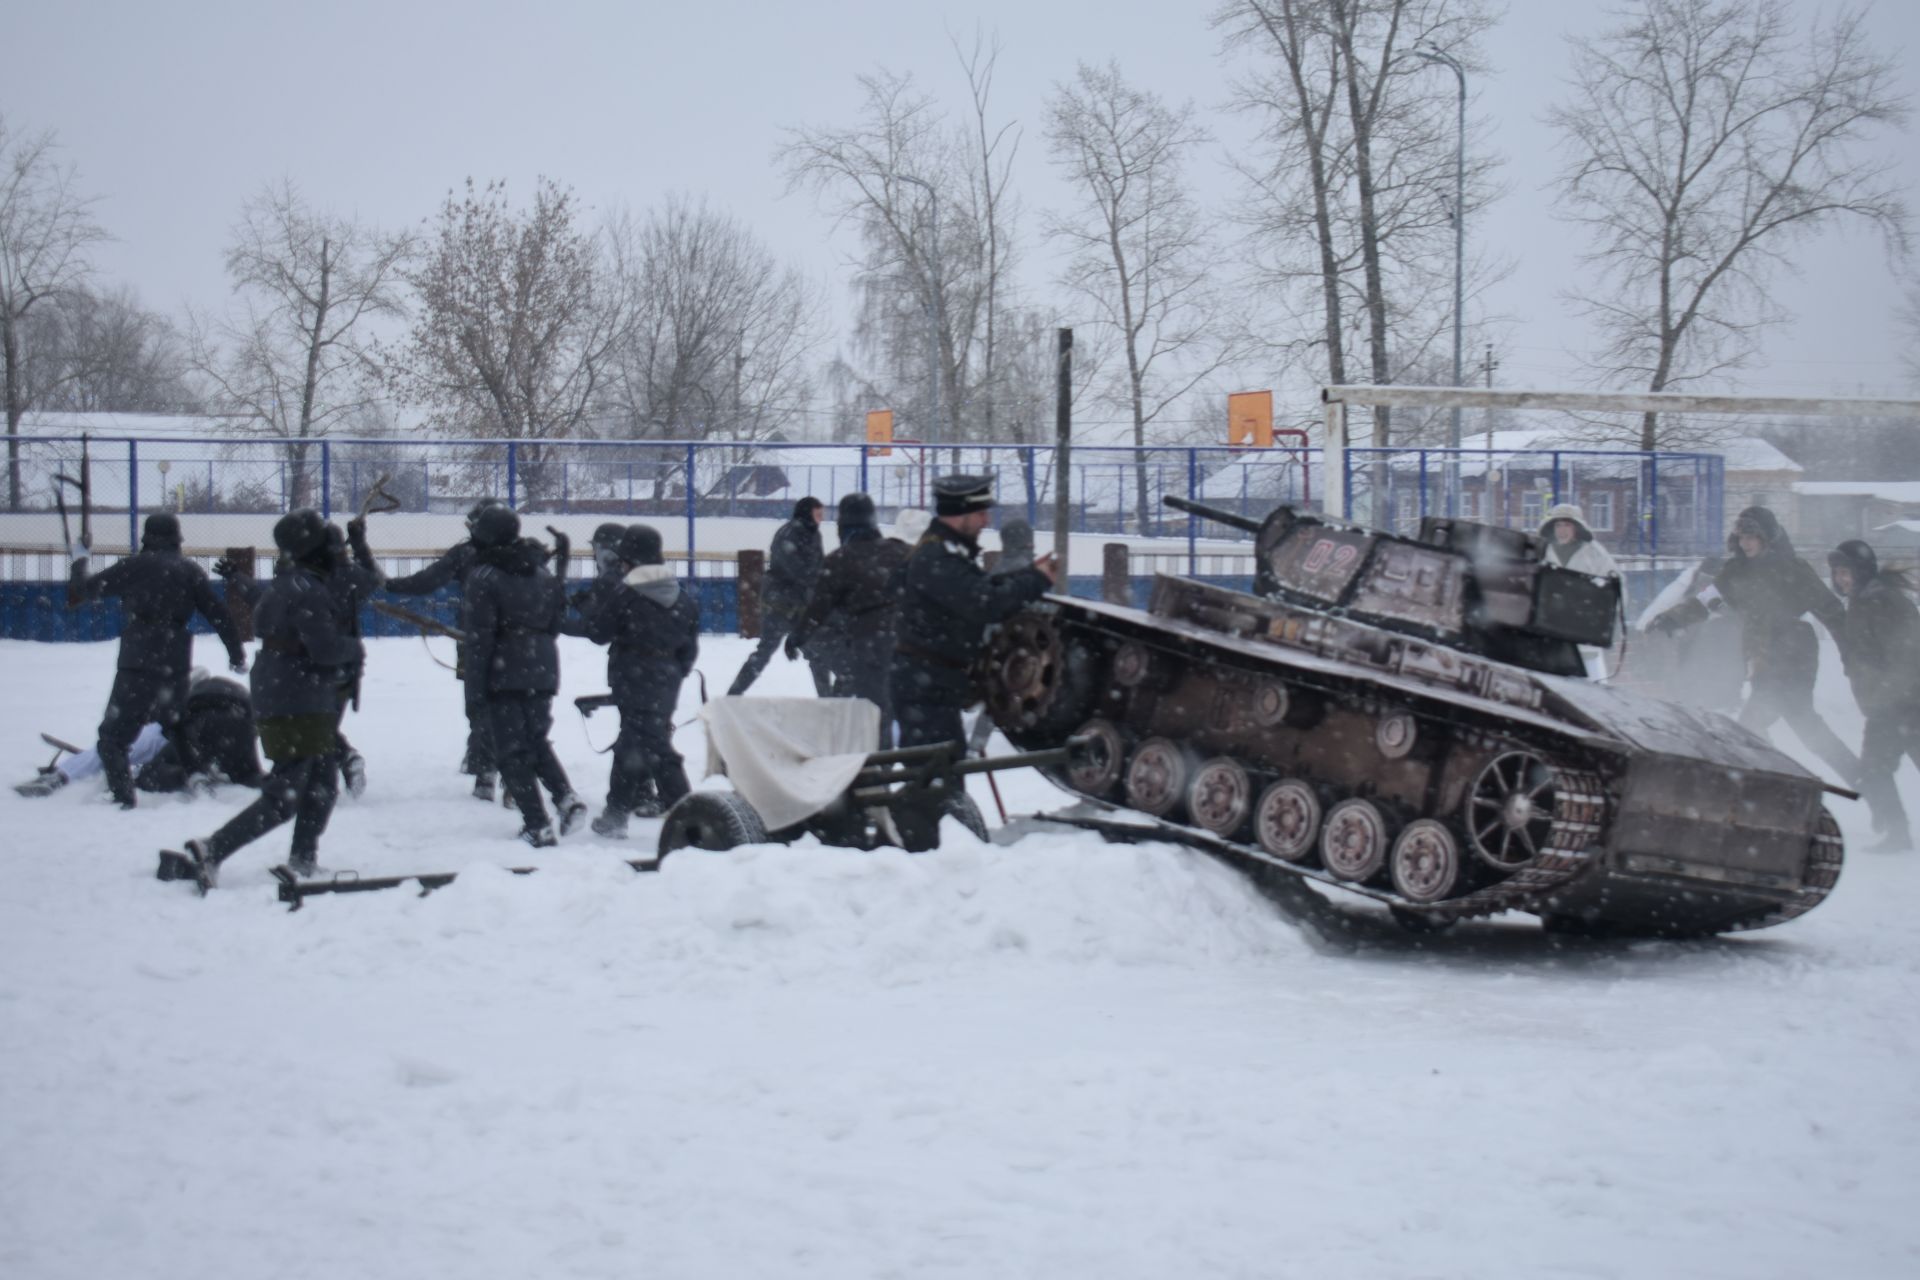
x,y
1705,139
1136,249
1352,174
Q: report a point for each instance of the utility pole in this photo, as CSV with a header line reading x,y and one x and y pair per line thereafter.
x,y
1431,54
1063,457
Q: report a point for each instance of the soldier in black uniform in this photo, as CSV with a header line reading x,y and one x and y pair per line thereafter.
x,y
304,653
793,562
160,590
356,576
1769,588
1880,640
652,632
946,605
454,566
515,609
214,744
848,621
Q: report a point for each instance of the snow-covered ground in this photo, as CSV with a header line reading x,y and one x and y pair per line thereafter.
x,y
1052,1059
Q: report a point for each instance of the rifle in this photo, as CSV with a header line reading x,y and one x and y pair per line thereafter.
x,y
431,626
378,499
85,485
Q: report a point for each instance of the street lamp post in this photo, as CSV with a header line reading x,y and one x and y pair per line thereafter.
x,y
1430,54
933,305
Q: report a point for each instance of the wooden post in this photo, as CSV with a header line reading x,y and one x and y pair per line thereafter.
x,y
238,603
1116,574
753,568
1062,459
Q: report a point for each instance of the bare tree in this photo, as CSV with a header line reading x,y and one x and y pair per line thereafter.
x,y
297,355
46,232
512,325
935,218
1704,138
720,334
1910,318
1354,167
1136,249
87,352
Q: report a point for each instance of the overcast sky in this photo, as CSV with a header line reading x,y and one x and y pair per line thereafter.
x,y
176,112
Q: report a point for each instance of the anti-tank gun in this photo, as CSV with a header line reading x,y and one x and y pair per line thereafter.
x,y
1405,717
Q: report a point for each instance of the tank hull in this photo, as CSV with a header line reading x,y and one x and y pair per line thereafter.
x,y
1446,784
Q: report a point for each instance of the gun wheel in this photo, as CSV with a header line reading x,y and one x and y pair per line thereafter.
x,y
1219,796
1286,822
1096,771
1157,777
1510,810
1353,843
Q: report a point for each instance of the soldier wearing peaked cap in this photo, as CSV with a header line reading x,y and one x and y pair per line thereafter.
x,y
947,603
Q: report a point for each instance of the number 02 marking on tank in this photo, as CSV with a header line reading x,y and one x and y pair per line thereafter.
x,y
1328,554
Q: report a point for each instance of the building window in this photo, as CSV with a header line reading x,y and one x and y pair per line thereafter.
x,y
1600,511
1470,505
1404,512
1532,507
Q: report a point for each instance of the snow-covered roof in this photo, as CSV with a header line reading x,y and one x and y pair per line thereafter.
x,y
1750,453
143,425
1903,526
1885,490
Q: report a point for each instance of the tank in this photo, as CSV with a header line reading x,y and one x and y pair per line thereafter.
x,y
1408,718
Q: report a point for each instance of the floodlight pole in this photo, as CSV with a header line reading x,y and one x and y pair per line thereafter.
x,y
1431,54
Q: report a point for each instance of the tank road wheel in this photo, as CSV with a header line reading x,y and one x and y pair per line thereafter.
x,y
1286,822
1425,864
713,820
1353,843
1096,770
1039,681
1220,795
1510,810
1157,777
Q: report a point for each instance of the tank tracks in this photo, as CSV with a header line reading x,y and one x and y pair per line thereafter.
x,y
1576,823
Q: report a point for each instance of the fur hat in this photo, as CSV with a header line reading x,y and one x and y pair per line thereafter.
x,y
804,509
856,509
640,544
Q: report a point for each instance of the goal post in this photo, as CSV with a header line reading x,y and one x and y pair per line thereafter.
x,y
1339,444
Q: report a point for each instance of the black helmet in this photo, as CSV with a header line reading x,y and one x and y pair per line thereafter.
x,y
640,544
494,526
300,533
161,532
856,509
608,535
485,504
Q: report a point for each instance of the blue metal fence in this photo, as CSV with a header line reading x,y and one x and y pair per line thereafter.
x,y
1651,504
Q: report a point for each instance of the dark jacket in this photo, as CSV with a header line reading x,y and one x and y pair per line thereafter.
x,y
515,608
855,596
159,592
1769,593
453,566
1880,640
652,630
218,729
946,605
305,652
792,565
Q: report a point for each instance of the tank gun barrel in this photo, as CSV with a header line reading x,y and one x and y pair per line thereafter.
x,y
1244,523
